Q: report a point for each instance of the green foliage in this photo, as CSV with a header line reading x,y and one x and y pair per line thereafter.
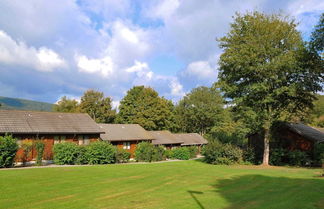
x,y
122,156
143,106
40,146
249,155
66,105
298,158
158,153
27,147
168,153
199,110
266,68
147,152
101,153
277,156
82,157
23,104
66,153
319,154
317,37
193,151
181,153
217,153
8,149
97,106
316,115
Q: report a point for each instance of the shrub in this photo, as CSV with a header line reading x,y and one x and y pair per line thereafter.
x,y
193,151
181,153
168,153
144,152
277,156
319,154
8,150
298,158
217,153
101,153
82,157
40,146
27,147
122,156
66,153
249,155
158,153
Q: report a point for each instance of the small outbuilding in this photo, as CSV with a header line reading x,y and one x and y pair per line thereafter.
x,y
192,139
125,136
50,127
166,138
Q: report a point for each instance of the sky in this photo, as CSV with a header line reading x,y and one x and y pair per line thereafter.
x,y
49,49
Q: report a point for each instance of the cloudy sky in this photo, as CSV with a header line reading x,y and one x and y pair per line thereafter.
x,y
53,48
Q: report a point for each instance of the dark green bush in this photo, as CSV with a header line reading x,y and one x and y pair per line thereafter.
x,y
66,153
319,154
8,149
298,158
181,153
217,153
82,157
40,146
168,153
122,156
193,151
278,156
158,153
101,153
249,155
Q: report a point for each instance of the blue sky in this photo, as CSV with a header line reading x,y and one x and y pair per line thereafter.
x,y
49,49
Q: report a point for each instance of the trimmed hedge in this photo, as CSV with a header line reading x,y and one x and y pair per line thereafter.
x,y
66,153
147,152
181,153
8,149
101,153
217,153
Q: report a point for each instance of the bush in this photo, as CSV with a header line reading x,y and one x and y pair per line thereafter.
x,y
82,157
298,158
147,152
277,156
168,153
217,153
122,156
249,155
158,153
66,153
181,153
193,151
27,147
101,153
319,154
40,146
8,150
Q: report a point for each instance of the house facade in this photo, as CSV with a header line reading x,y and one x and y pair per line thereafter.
x,y
125,136
50,127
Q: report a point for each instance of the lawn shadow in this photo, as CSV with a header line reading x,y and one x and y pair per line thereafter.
x,y
193,195
258,191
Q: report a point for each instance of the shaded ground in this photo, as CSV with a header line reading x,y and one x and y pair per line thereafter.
x,y
185,184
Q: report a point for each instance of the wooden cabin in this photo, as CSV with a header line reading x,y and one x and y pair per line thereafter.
x,y
50,127
192,139
125,136
166,138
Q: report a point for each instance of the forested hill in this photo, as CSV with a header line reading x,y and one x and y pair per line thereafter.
x,y
23,104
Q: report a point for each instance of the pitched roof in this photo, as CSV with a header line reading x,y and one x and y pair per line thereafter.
x,y
307,131
124,132
192,139
33,122
165,137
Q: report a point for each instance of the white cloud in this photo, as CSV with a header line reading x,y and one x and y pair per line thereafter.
x,y
104,66
19,54
176,88
200,70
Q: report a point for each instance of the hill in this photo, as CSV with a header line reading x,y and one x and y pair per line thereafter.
x,y
8,103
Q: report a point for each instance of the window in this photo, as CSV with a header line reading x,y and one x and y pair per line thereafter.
x,y
59,139
126,145
80,139
86,140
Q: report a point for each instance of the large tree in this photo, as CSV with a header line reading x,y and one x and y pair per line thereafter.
x,y
143,106
200,110
317,37
265,67
97,106
66,105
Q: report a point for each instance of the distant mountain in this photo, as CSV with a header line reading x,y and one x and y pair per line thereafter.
x,y
23,104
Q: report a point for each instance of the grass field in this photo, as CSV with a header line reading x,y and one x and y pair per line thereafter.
x,y
185,184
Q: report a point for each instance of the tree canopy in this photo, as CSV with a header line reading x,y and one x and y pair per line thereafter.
x,y
200,110
142,105
266,67
66,105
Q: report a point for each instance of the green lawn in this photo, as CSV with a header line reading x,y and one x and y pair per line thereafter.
x,y
186,184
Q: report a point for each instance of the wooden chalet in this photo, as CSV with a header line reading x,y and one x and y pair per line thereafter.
x,y
50,127
166,138
125,136
192,139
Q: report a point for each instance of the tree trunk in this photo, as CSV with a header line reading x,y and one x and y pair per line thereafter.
x,y
266,150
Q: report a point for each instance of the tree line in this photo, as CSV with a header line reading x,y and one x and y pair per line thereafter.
x,y
267,73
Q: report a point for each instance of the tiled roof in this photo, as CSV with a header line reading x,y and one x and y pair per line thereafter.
x,y
33,122
311,133
124,132
192,139
165,137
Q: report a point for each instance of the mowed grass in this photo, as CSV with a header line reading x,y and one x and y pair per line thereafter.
x,y
185,184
